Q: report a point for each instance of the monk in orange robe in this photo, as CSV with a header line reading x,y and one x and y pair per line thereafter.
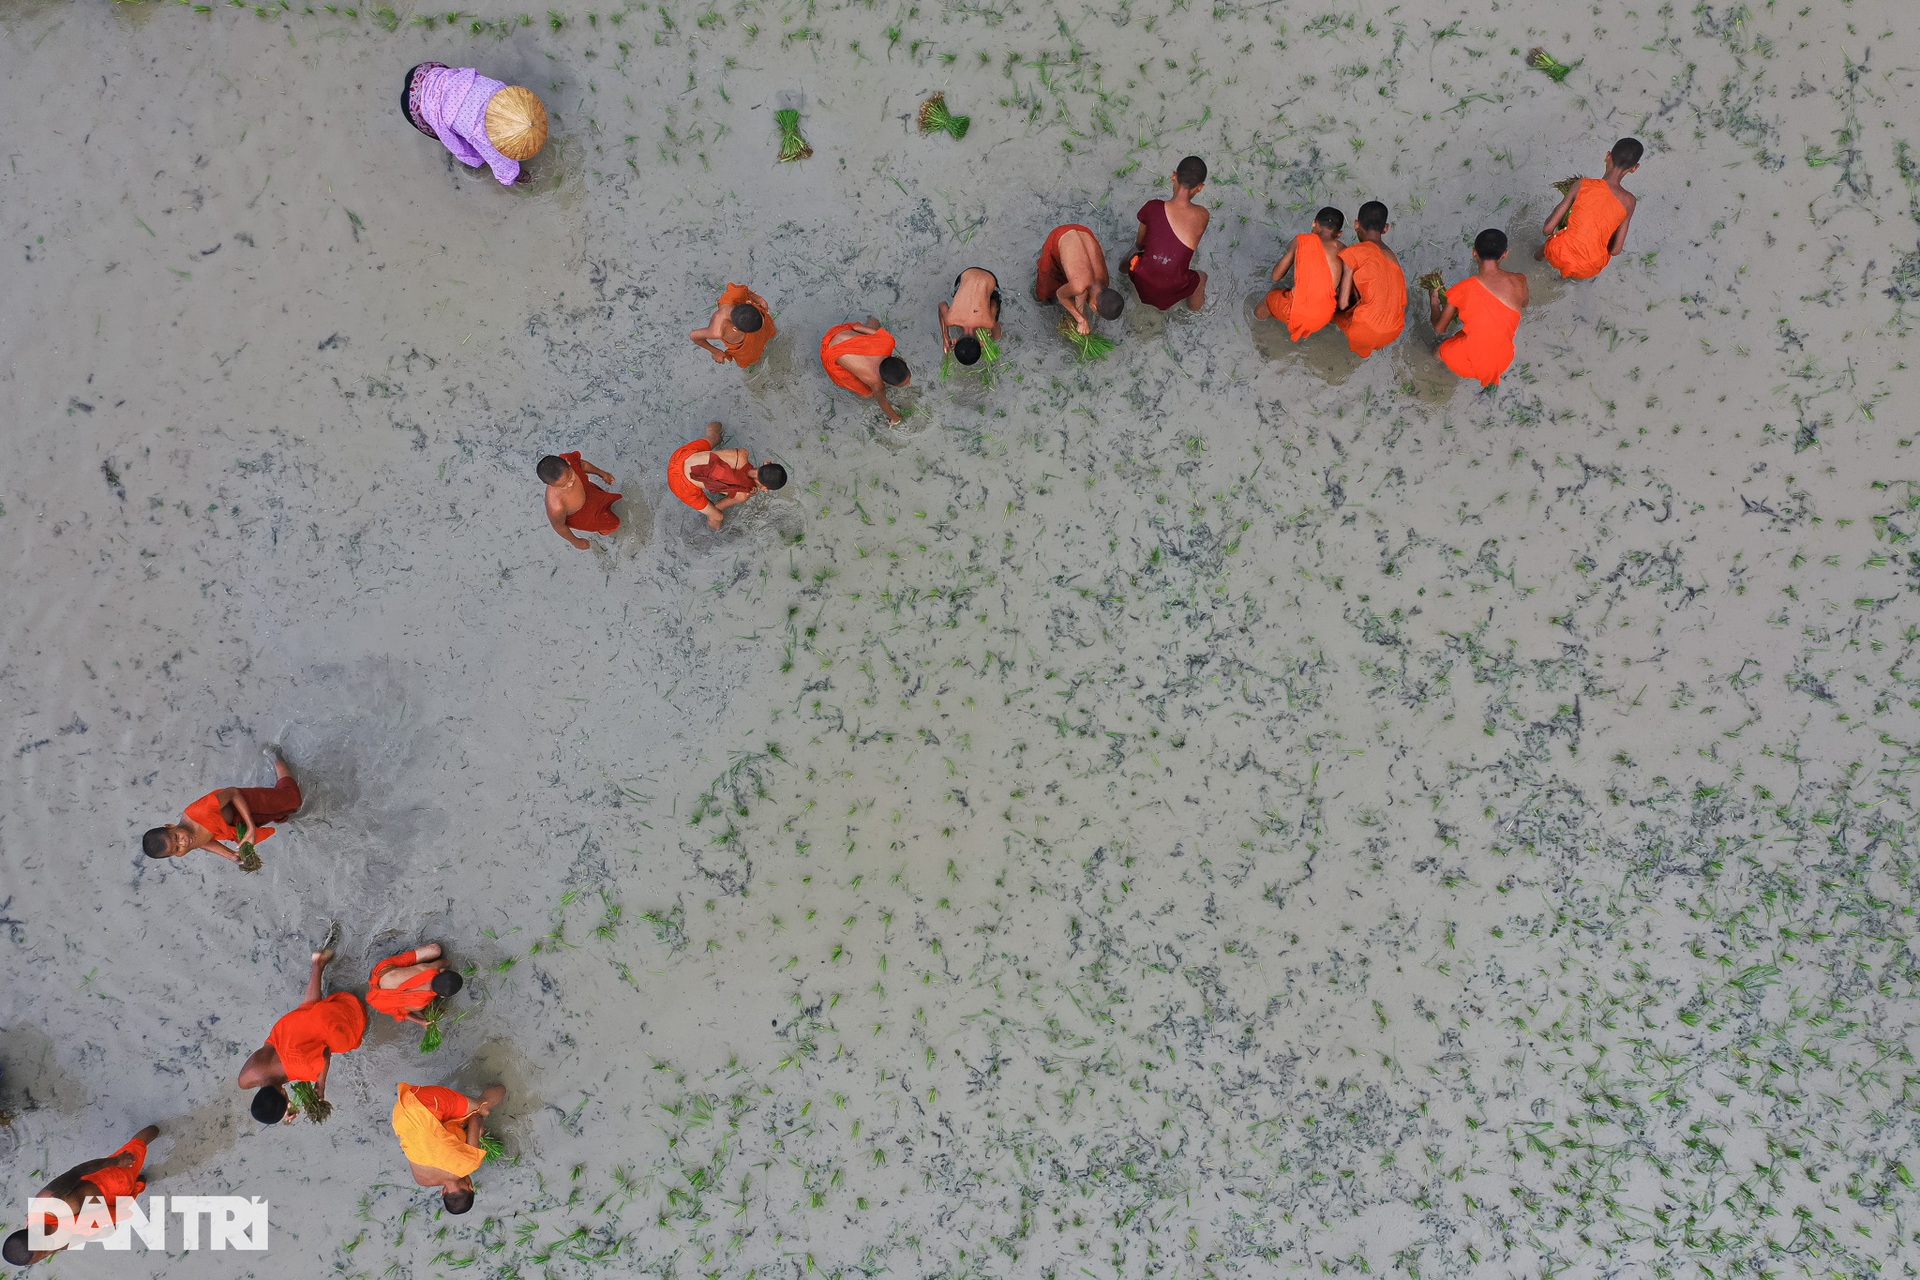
x,y
742,324
860,358
403,986
1373,303
302,1044
105,1180
575,502
1320,278
710,479
1073,272
1489,304
229,814
1597,211
440,1131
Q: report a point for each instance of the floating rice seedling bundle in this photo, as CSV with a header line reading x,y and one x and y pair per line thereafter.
x,y
1091,346
1433,282
792,145
935,117
1540,60
303,1098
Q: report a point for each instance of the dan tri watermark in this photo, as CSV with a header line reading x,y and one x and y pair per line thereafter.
x,y
232,1222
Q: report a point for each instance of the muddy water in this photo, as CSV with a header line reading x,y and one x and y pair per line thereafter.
x,y
1221,808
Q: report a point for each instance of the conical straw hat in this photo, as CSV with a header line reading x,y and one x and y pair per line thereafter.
x,y
516,123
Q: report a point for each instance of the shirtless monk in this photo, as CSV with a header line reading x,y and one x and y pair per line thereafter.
x,y
698,470
1373,306
975,305
1073,272
743,326
302,1044
439,1131
1162,264
1489,303
1597,211
229,814
105,1180
1321,279
860,358
573,501
404,986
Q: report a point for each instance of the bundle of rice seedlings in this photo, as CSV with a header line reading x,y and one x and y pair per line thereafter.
x,y
303,1098
1091,346
495,1149
1433,282
1566,185
433,1037
989,352
1540,60
249,853
934,117
792,145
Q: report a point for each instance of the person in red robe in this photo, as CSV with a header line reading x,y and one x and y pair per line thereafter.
x,y
742,325
302,1044
1597,211
1373,310
106,1180
711,479
576,505
860,359
220,819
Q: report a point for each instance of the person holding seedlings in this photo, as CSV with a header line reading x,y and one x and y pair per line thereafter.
x,y
573,501
860,358
403,986
1073,272
106,1180
699,470
229,814
300,1048
1597,211
440,1134
742,324
1162,264
1321,280
1488,303
975,306
480,121
1373,307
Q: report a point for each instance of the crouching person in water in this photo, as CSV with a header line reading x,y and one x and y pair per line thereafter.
x,y
710,479
480,121
440,1132
106,1180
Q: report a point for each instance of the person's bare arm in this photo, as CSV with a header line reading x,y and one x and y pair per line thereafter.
x,y
946,339
1283,266
707,337
880,395
596,472
1140,236
559,523
1343,295
473,1128
1439,313
1526,291
241,807
1618,244
1552,223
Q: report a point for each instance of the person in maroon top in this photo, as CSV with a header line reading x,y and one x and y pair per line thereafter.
x,y
1162,264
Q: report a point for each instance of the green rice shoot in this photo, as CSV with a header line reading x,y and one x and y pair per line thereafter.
x,y
304,1099
1091,346
792,145
1540,60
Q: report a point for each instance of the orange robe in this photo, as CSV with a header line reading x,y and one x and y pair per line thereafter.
x,y
268,804
684,489
415,995
1306,308
1483,348
751,345
111,1183
1051,276
1380,315
597,515
430,1122
1579,249
860,344
337,1022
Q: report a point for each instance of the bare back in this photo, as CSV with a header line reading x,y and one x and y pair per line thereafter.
x,y
1082,262
1508,286
1188,220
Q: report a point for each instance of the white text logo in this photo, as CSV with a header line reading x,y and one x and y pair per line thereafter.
x,y
232,1222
